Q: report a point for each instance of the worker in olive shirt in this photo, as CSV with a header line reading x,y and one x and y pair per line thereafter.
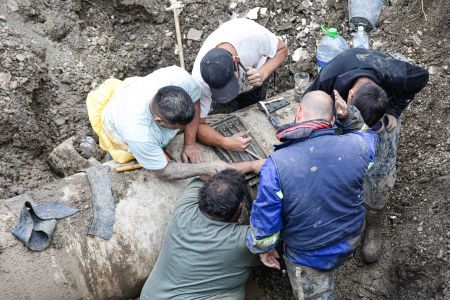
x,y
204,254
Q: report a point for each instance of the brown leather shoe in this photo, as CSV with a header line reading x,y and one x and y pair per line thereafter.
x,y
372,239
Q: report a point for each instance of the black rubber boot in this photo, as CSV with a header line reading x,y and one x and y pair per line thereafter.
x,y
372,238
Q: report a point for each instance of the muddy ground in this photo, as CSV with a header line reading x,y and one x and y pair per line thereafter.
x,y
53,52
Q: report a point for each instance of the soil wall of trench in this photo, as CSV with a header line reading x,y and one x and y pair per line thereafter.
x,y
53,52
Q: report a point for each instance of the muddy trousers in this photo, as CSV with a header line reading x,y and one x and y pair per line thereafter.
x,y
381,177
308,283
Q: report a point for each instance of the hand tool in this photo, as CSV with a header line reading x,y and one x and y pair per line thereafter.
x,y
270,106
128,168
176,7
253,154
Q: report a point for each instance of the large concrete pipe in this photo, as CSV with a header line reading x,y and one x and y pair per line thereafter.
x,y
78,266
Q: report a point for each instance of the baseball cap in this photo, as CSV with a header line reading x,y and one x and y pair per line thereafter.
x,y
217,69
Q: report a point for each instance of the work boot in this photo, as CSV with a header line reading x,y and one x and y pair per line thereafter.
x,y
372,239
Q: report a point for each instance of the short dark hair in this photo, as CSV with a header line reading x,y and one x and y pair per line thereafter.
x,y
371,101
220,197
174,105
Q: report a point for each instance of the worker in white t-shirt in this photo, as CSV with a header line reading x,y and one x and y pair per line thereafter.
x,y
144,116
232,67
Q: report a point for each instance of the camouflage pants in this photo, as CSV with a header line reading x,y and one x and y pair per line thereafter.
x,y
308,283
381,177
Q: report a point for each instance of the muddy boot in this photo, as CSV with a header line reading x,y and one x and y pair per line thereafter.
x,y
372,239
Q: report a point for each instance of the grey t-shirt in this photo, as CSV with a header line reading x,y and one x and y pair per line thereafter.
x,y
200,258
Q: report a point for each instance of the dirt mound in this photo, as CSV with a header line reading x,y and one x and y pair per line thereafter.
x,y
52,53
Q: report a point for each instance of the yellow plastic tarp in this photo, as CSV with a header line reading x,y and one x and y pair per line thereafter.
x,y
96,102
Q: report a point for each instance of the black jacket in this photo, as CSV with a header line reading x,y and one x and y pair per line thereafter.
x,y
400,80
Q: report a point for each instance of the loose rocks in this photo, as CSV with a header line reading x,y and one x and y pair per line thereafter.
x,y
194,34
65,160
12,5
5,79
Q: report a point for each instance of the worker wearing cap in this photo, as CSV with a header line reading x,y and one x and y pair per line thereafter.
x,y
232,67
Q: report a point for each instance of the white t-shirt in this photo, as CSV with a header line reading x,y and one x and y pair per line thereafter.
x,y
127,115
254,44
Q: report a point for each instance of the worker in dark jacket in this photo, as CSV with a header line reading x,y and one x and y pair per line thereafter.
x,y
365,78
311,196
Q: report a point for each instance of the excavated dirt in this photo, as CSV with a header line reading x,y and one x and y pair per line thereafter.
x,y
53,52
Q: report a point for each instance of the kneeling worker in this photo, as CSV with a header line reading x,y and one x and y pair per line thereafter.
x,y
138,117
203,255
311,196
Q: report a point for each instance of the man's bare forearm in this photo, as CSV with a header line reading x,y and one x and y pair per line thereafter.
x,y
208,136
273,63
175,171
248,166
190,132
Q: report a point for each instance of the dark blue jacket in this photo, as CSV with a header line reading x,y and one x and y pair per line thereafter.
x,y
311,196
401,80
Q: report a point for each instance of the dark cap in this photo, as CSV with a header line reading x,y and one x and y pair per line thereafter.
x,y
217,69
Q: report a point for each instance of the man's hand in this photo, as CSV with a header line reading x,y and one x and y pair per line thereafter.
x,y
218,166
392,123
191,154
238,141
340,105
255,77
270,259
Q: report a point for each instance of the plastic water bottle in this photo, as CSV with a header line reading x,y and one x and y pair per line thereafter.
x,y
330,46
360,39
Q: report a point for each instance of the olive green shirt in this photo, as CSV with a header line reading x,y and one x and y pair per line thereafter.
x,y
200,258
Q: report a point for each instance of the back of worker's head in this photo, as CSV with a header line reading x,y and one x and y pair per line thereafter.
x,y
371,101
316,105
173,105
221,197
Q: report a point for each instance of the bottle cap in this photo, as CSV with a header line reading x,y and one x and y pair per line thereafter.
x,y
331,32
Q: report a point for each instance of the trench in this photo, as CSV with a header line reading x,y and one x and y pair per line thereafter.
x,y
93,40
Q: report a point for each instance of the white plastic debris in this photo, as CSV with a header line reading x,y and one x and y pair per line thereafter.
x,y
300,54
263,12
314,25
401,57
253,13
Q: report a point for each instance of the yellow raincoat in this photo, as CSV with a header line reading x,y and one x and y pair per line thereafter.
x,y
96,102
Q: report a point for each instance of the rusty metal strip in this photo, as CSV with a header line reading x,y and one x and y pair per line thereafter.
x,y
228,127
